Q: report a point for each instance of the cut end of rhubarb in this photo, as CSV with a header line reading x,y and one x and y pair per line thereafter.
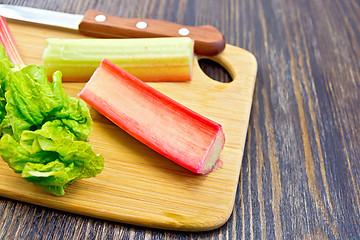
x,y
168,127
212,161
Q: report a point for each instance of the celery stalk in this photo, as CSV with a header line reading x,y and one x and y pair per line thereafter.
x,y
149,59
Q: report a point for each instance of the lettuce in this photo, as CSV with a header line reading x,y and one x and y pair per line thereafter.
x,y
5,66
44,131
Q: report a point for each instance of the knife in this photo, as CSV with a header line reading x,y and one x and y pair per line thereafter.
x,y
207,39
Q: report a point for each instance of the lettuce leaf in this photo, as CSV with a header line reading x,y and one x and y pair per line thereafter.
x,y
43,130
5,66
50,164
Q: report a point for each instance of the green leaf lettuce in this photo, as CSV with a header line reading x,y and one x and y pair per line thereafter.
x,y
43,130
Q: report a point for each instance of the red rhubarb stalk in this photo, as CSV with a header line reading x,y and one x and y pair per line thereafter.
x,y
8,42
173,130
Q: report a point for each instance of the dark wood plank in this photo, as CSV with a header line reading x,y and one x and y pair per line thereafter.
x,y
300,176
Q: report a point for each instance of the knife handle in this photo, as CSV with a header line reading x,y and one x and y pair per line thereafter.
x,y
207,39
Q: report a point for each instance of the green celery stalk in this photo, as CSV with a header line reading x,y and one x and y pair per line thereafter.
x,y
149,59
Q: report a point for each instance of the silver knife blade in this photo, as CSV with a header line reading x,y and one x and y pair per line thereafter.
x,y
36,15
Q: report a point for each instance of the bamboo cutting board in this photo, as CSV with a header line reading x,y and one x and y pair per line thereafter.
x,y
138,186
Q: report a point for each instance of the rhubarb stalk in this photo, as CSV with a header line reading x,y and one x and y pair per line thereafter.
x,y
149,59
8,42
166,126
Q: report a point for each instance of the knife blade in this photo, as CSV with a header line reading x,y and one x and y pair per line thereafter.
x,y
207,39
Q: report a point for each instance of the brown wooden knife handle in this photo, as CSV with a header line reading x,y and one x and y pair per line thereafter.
x,y
208,40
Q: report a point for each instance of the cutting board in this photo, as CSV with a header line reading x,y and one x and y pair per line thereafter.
x,y
139,186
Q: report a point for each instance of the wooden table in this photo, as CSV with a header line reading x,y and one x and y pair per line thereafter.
x,y
300,171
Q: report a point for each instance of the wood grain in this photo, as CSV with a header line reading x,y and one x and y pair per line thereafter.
x,y
300,171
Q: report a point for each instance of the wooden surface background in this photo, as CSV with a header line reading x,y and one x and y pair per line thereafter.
x,y
300,175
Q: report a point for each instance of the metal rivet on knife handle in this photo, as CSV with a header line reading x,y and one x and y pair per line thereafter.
x,y
184,31
141,25
100,18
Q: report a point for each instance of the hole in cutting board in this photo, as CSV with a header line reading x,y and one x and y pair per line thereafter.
x,y
214,70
